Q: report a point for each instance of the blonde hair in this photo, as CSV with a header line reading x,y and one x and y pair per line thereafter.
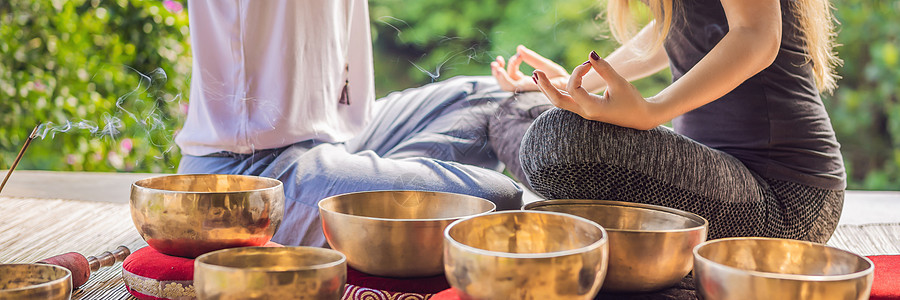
x,y
815,22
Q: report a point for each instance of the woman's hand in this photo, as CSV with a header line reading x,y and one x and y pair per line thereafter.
x,y
512,80
621,104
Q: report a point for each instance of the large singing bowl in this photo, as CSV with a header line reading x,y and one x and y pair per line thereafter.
x,y
649,246
188,215
525,255
35,281
270,273
768,268
395,233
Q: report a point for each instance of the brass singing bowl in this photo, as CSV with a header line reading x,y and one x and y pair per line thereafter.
x,y
525,255
768,268
188,215
35,281
270,273
649,246
395,233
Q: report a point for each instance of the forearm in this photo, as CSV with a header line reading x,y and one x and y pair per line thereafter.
x,y
742,53
629,63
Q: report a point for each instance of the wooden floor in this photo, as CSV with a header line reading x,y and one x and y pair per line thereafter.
x,y
860,207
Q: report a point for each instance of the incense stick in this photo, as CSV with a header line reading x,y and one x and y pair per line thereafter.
x,y
19,157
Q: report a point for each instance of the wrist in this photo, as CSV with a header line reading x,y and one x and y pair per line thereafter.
x,y
660,108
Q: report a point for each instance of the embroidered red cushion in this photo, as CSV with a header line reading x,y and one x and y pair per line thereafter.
x,y
151,275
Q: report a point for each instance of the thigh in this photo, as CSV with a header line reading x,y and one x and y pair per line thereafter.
x,y
803,212
233,163
566,156
446,120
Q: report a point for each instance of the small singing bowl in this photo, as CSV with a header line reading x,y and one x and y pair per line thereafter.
x,y
525,255
649,246
270,273
395,233
188,215
35,281
769,268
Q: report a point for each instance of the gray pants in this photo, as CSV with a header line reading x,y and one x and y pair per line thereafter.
x,y
567,157
431,138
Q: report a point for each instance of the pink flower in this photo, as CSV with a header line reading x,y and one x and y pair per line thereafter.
x,y
115,160
126,145
173,6
71,159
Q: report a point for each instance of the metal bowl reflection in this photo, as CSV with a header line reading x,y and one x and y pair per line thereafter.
x,y
768,268
525,255
649,246
35,281
270,273
188,215
395,233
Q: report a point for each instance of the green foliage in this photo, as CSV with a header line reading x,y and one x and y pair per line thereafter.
x,y
72,60
865,109
417,42
83,60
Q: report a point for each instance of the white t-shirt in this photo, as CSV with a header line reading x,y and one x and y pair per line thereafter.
x,y
267,74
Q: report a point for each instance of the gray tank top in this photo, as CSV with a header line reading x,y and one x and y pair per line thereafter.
x,y
774,122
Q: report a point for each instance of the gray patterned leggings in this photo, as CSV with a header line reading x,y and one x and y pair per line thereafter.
x,y
567,157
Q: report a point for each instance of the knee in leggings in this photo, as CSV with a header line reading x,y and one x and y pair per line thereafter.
x,y
559,136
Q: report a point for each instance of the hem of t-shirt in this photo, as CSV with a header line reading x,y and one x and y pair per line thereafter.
x,y
825,182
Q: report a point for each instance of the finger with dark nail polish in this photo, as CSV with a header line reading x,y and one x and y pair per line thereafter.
x,y
594,55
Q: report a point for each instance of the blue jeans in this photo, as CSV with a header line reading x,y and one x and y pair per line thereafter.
x,y
432,138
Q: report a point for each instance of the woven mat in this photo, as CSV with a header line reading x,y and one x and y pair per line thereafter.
x,y
868,239
34,229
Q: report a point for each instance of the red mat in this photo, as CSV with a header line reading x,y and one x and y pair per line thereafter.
x,y
887,277
445,295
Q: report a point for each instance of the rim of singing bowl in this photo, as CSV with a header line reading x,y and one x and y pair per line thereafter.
x,y
798,277
147,183
681,213
202,259
597,244
39,285
332,198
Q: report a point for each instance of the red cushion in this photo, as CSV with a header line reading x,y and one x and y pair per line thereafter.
x,y
887,277
448,294
151,275
424,285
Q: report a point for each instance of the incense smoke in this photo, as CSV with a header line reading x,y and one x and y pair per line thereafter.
x,y
141,105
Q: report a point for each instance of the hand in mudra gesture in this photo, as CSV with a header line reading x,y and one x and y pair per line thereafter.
x,y
621,104
512,80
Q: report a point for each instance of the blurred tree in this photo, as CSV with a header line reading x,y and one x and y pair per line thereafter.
x,y
102,63
865,109
462,37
